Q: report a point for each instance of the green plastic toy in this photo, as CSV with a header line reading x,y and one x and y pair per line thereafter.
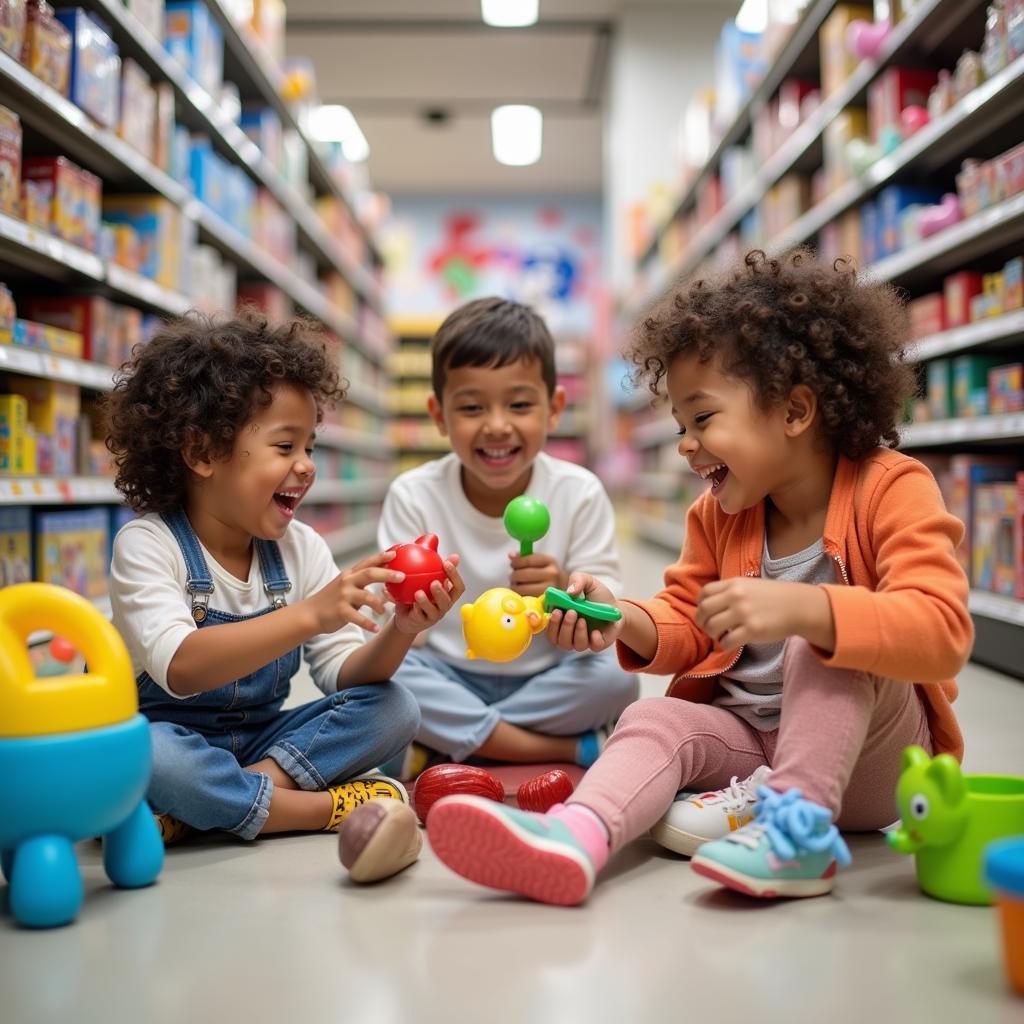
x,y
526,520
589,610
948,819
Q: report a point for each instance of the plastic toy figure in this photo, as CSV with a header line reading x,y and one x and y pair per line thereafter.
x,y
77,735
500,624
947,820
421,564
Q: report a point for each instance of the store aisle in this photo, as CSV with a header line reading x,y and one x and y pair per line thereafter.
x,y
272,930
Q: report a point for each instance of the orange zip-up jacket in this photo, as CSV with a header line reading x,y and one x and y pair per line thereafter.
x,y
899,601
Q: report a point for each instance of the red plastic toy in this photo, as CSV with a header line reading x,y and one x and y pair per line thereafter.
x,y
421,564
543,792
454,780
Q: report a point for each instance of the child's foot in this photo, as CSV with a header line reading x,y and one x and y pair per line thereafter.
x,y
590,744
791,848
171,830
697,818
379,839
534,855
349,795
410,762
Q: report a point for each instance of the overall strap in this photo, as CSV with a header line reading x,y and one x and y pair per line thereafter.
x,y
275,579
198,582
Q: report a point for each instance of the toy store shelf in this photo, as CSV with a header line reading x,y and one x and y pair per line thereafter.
x,y
658,485
257,75
352,538
53,367
659,531
366,398
75,490
995,606
200,110
800,38
134,286
658,431
78,135
348,492
1001,329
1007,427
957,245
985,109
903,37
40,252
359,441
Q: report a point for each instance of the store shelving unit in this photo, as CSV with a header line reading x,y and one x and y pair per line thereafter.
x,y
352,438
993,110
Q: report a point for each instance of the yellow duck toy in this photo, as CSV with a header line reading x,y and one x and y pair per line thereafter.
x,y
499,624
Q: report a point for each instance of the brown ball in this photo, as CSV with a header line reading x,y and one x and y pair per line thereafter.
x,y
379,839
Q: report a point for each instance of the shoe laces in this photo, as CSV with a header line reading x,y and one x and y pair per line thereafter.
x,y
739,793
792,826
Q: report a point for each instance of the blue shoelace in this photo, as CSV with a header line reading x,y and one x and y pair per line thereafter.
x,y
795,825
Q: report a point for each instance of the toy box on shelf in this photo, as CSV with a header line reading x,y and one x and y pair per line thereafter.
x,y
71,549
15,546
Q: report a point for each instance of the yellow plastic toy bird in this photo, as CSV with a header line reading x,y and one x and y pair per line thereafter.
x,y
499,624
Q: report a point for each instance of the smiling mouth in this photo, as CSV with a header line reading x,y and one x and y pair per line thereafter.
x,y
716,473
288,501
498,456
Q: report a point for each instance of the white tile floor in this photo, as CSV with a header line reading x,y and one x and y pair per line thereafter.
x,y
274,931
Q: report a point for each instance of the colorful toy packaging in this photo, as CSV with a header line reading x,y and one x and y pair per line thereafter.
x,y
13,440
958,290
1006,389
15,546
95,66
10,160
46,50
12,26
970,384
157,222
71,550
53,410
837,62
138,110
940,389
8,314
74,197
966,474
994,560
45,338
195,40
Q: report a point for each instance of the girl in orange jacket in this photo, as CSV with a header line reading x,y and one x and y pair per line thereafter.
x,y
813,623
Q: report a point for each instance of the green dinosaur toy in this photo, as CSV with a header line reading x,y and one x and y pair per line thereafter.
x,y
948,819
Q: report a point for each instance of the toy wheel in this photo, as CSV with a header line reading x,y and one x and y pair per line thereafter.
x,y
133,853
46,888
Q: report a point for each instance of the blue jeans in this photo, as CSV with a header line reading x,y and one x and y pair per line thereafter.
x,y
202,744
200,779
459,710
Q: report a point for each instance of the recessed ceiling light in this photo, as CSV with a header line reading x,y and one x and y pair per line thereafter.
x,y
332,122
510,13
516,134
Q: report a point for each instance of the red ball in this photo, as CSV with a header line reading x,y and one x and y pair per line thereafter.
x,y
454,780
543,792
421,564
62,650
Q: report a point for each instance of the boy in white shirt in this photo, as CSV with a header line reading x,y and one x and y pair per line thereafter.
x,y
216,589
496,398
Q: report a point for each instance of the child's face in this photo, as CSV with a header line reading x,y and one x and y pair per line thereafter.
x,y
498,419
258,489
724,427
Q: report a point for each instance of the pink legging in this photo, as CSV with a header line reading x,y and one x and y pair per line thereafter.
x,y
839,741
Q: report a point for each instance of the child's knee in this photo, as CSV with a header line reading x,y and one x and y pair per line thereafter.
x,y
402,711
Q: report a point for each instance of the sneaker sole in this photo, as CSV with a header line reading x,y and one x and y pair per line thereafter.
x,y
473,838
676,839
764,888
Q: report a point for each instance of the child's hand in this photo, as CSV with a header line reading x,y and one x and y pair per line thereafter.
x,y
746,610
339,602
427,611
570,632
533,574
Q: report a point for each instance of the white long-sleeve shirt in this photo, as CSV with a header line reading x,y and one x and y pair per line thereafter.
x,y
153,612
430,499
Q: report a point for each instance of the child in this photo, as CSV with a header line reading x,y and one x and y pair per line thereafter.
x,y
495,397
813,623
216,588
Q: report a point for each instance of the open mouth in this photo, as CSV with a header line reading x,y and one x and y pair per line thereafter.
x,y
716,473
288,501
498,457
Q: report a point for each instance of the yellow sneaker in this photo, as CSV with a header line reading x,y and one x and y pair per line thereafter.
x,y
349,795
171,830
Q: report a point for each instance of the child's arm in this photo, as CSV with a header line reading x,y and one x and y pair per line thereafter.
x,y
217,655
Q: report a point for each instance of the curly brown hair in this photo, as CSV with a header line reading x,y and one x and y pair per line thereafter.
x,y
194,386
793,320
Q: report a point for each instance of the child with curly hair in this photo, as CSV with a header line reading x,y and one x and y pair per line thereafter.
x,y
216,588
813,623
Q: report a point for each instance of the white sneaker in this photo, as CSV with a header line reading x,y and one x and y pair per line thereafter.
x,y
697,818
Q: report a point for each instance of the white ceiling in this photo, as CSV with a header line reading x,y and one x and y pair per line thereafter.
x,y
392,61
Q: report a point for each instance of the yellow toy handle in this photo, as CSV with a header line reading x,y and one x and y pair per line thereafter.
x,y
31,706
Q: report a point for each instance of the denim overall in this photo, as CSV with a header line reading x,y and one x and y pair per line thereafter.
x,y
202,743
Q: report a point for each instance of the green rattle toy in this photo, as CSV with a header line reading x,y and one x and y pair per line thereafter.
x,y
527,520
